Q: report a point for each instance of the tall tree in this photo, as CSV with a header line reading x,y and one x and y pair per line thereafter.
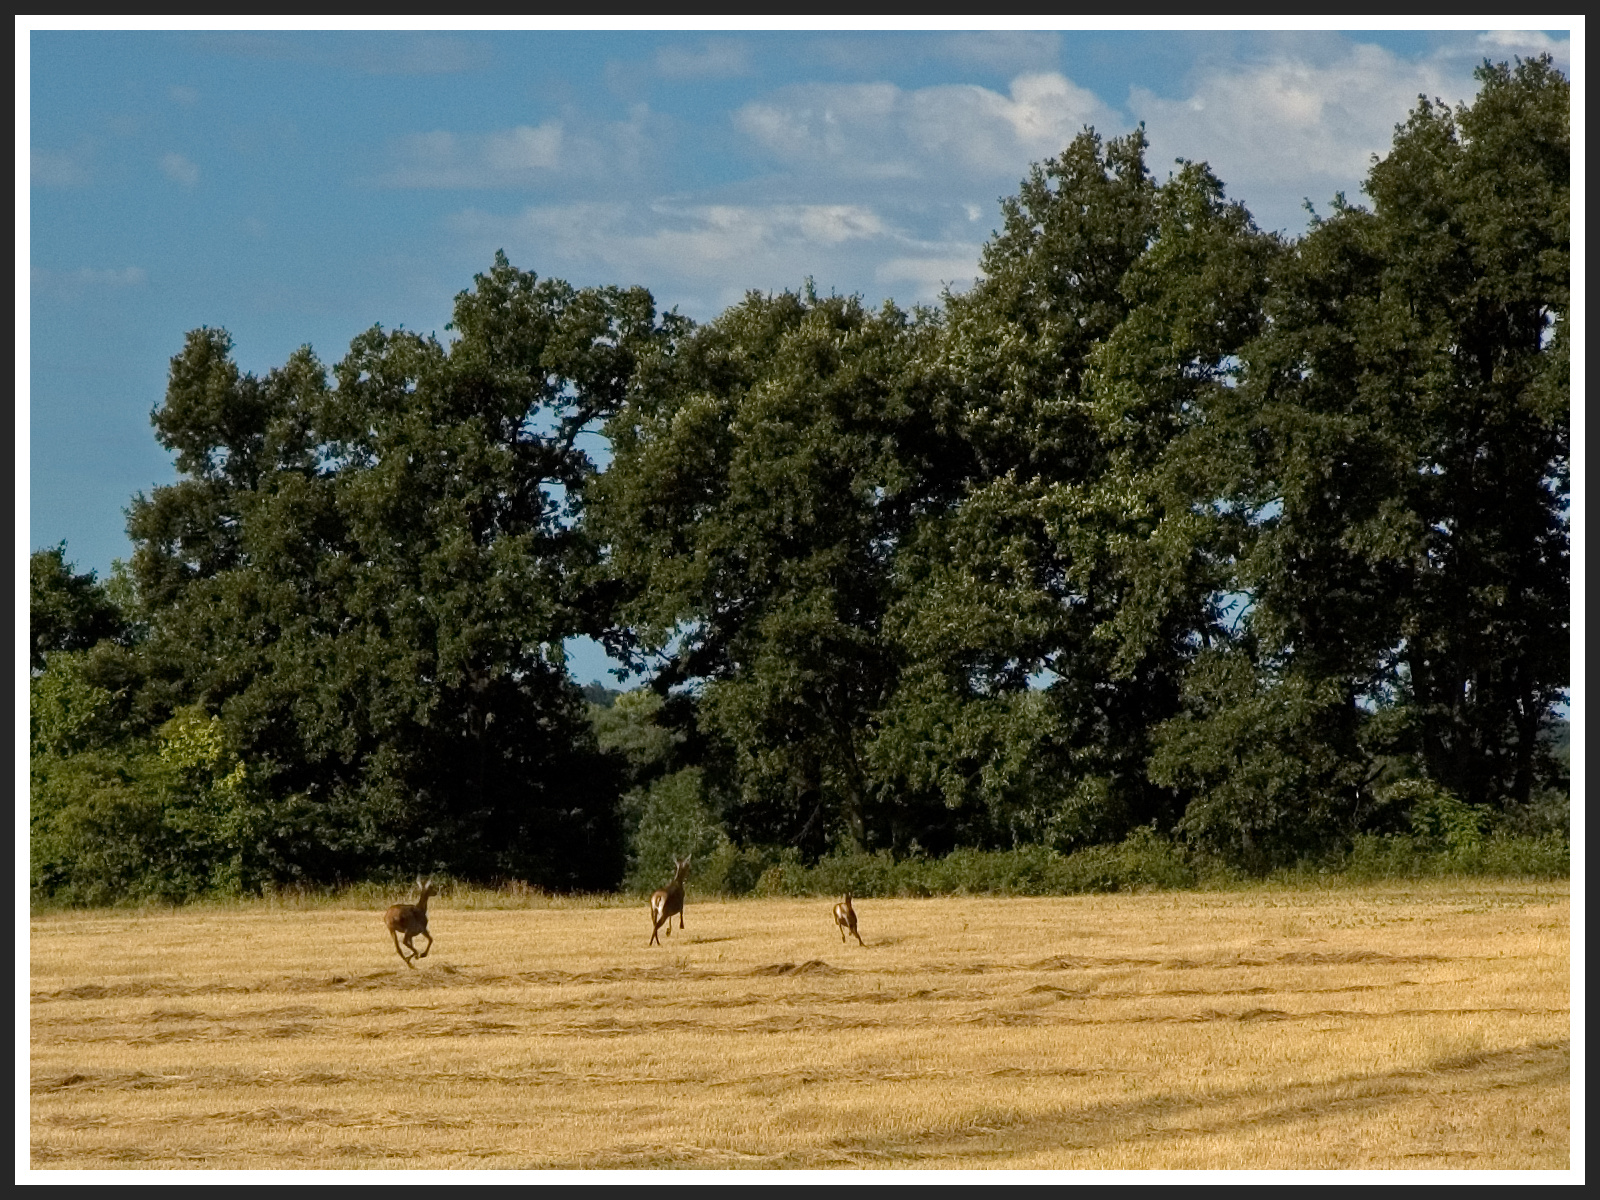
x,y
1008,711
370,581
764,474
1399,443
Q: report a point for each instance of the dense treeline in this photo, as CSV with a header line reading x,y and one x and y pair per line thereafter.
x,y
1168,522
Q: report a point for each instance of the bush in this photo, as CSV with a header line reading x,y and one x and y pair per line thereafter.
x,y
730,870
673,820
1144,860
1373,858
1439,820
168,819
1548,813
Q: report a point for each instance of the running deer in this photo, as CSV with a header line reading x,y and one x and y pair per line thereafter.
x,y
845,918
410,920
668,902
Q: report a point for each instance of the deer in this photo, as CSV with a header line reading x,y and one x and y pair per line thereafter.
x,y
667,902
410,920
844,916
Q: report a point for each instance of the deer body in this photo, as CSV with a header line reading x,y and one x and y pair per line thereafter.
x,y
844,916
409,920
667,902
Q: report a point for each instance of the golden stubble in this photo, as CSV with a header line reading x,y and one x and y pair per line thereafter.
x,y
1389,1027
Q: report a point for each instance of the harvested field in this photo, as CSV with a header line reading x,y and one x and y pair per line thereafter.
x,y
1418,1026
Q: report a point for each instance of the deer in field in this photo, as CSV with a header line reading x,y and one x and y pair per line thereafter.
x,y
667,902
410,920
844,916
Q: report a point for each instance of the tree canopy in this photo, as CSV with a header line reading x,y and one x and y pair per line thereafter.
x,y
1168,522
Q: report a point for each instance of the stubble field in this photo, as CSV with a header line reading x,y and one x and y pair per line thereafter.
x,y
1422,1026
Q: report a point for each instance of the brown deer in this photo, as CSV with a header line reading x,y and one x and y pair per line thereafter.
x,y
844,917
668,902
410,920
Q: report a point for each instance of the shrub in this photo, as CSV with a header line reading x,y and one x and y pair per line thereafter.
x,y
671,820
1439,820
1373,858
1144,859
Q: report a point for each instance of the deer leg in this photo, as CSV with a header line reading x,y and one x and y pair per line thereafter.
x,y
399,951
429,936
655,936
680,918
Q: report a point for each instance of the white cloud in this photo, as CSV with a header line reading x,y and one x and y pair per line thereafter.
x,y
700,240
57,168
175,166
930,275
523,148
566,152
465,160
880,131
706,256
1527,43
719,58
1286,128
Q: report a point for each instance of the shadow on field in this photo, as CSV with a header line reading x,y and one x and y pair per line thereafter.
x,y
814,967
1157,1121
1166,1118
1298,958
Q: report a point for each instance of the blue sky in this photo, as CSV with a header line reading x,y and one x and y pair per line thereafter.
x,y
299,187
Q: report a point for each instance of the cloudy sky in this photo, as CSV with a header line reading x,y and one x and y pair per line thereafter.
x,y
299,187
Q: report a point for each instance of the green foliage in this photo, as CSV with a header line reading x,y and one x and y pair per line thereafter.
x,y
731,870
1167,526
758,487
66,611
1374,857
674,819
631,728
1439,820
369,581
1262,762
169,817
1404,437
597,694
1141,861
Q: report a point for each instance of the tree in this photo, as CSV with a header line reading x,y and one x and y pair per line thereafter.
x,y
1051,613
764,474
66,610
1472,215
1397,447
369,582
1406,424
